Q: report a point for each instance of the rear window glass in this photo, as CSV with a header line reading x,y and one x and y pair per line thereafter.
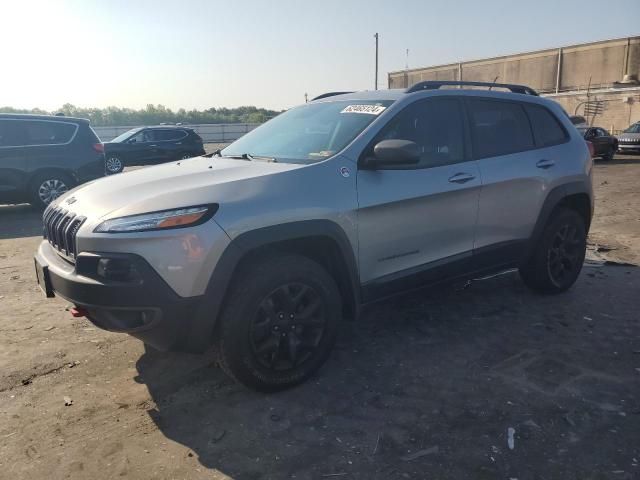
x,y
546,128
498,128
49,133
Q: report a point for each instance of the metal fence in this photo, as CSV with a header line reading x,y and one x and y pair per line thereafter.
x,y
210,133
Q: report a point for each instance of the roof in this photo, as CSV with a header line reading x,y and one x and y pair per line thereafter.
x,y
27,116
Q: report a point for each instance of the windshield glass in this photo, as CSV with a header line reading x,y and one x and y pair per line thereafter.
x,y
123,136
309,133
635,128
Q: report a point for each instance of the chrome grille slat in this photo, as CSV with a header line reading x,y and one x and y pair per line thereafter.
x,y
60,228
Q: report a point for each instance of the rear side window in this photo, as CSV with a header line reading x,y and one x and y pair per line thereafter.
x,y
12,133
169,134
49,133
498,128
546,128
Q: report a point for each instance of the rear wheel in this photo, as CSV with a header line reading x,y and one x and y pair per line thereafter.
x,y
113,164
46,187
280,322
608,156
559,255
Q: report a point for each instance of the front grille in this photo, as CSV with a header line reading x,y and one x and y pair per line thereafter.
x,y
60,228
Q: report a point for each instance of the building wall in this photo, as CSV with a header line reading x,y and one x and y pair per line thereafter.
x,y
564,74
620,108
598,64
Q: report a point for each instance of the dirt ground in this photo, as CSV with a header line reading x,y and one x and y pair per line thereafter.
x,y
425,386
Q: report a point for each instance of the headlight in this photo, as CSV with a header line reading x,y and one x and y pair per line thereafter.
x,y
162,220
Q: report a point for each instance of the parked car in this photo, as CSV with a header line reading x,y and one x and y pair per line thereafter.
x,y
629,140
151,145
263,249
43,156
605,145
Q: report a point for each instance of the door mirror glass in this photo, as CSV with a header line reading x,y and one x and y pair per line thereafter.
x,y
394,153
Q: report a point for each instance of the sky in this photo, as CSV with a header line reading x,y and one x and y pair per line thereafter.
x,y
269,53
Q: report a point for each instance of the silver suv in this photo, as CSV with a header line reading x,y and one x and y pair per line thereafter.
x,y
263,248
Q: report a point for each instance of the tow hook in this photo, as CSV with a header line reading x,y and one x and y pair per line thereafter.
x,y
77,312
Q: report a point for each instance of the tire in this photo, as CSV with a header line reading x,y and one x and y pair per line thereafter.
x,y
608,156
46,187
557,259
113,164
260,334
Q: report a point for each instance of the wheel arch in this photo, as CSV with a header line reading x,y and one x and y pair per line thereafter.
x,y
51,170
575,195
323,241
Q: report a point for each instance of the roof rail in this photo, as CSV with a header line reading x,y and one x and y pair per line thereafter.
x,y
329,94
436,84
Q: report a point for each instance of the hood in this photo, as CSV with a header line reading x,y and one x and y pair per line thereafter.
x,y
169,185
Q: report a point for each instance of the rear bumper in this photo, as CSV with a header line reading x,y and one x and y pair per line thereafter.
x,y
144,306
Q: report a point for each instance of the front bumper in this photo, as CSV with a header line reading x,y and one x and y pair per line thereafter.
x,y
629,147
144,305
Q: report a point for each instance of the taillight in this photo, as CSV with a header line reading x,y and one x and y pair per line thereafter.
x,y
98,147
592,150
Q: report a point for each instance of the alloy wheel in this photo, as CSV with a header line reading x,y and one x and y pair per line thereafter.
x,y
113,164
288,327
51,189
564,254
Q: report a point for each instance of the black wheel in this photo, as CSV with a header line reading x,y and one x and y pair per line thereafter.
x,y
46,187
186,155
608,156
559,255
280,322
113,164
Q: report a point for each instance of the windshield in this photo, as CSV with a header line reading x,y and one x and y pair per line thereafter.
x,y
309,133
123,136
635,128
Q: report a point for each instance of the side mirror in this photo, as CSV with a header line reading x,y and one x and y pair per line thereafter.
x,y
393,153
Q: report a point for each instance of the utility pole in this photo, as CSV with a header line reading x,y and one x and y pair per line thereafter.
x,y
376,79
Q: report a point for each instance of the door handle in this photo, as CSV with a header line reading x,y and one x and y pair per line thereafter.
x,y
461,178
153,146
545,164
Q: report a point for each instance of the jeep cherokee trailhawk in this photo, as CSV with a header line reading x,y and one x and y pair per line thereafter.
x,y
261,249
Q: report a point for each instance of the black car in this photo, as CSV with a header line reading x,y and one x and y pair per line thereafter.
x,y
149,145
605,145
43,156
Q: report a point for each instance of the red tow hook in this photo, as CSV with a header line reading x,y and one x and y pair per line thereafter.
x,y
77,312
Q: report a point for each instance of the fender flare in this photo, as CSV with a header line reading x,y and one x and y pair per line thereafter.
x,y
553,199
206,316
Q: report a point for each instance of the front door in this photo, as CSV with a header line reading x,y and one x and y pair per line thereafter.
x,y
415,222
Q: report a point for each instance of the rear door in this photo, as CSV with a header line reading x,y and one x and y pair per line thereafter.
x,y
170,143
13,160
516,145
413,220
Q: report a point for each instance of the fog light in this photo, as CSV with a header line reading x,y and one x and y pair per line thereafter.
x,y
117,269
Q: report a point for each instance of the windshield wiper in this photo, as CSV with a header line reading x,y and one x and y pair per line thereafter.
x,y
248,156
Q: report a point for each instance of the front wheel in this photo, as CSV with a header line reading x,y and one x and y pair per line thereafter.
x,y
280,322
46,187
557,259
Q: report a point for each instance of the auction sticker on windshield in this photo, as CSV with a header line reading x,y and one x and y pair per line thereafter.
x,y
368,109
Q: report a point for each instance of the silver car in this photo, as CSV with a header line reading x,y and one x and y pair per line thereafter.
x,y
263,248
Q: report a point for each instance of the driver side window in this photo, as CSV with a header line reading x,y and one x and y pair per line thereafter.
x,y
436,125
141,137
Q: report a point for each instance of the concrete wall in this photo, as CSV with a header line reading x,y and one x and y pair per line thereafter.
x,y
599,64
210,133
620,107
